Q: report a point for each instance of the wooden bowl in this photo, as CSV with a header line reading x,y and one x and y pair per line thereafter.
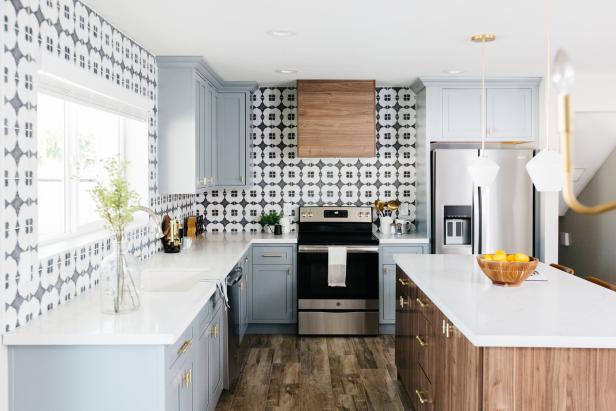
x,y
507,273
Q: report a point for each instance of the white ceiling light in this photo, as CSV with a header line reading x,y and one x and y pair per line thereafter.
x,y
453,71
483,170
546,169
281,33
286,71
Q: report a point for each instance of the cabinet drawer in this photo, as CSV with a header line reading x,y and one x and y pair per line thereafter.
x,y
389,251
425,343
181,347
425,306
272,255
422,394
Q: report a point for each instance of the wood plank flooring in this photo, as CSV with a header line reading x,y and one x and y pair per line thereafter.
x,y
285,372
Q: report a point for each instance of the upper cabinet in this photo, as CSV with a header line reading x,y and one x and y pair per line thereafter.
x,y
233,147
453,109
203,127
336,118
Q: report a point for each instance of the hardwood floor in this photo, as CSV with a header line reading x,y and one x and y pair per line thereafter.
x,y
284,372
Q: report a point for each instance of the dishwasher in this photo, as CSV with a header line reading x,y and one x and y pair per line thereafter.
x,y
236,327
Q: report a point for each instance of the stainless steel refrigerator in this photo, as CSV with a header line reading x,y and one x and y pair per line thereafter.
x,y
472,220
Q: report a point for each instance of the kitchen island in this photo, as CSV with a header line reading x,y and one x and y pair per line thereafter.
x,y
464,343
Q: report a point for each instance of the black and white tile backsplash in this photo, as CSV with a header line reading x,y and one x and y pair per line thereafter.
x,y
282,182
32,285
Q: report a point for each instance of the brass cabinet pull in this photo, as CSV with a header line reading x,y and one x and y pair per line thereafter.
x,y
404,282
422,398
421,341
449,328
215,331
187,378
443,326
402,302
185,346
421,303
273,255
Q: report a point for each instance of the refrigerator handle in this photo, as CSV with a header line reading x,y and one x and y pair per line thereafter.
x,y
477,220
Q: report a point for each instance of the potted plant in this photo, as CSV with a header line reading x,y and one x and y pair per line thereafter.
x,y
271,222
116,203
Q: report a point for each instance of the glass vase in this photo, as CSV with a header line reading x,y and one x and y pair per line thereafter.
x,y
119,279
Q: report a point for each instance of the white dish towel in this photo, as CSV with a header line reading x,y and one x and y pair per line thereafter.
x,y
336,266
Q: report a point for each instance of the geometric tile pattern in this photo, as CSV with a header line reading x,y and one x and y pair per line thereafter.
x,y
72,31
282,182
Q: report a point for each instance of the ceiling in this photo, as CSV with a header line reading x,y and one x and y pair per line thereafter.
x,y
392,41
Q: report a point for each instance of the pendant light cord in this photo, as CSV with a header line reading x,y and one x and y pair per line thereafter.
x,y
548,72
484,123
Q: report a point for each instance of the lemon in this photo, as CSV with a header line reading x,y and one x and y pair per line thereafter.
x,y
521,258
511,257
500,252
488,257
500,257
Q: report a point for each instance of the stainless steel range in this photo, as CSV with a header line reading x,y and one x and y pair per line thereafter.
x,y
351,307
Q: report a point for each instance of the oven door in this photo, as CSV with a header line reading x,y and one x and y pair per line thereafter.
x,y
362,274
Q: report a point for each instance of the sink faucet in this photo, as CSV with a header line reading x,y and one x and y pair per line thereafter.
x,y
154,216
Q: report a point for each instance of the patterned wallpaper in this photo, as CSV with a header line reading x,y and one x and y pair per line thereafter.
x,y
283,182
72,31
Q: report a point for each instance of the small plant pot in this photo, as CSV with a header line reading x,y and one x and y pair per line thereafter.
x,y
278,229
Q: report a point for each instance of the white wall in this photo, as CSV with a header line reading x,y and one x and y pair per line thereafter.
x,y
593,238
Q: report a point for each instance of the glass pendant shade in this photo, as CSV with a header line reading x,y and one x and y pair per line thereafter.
x,y
546,171
483,171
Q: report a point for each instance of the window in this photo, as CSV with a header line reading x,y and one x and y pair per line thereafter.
x,y
73,141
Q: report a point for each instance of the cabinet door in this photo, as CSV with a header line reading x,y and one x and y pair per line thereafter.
x,y
231,139
403,328
461,114
247,264
510,114
272,293
215,356
180,391
201,372
389,293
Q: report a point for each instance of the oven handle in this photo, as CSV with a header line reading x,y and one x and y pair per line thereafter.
x,y
350,249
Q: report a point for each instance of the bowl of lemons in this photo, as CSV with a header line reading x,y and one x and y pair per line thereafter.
x,y
507,269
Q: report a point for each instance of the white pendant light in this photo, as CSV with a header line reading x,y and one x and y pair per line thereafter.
x,y
483,170
546,169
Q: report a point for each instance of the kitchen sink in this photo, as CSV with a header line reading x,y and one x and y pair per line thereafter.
x,y
159,280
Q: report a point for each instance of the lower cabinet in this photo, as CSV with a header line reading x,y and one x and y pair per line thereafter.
x,y
387,278
439,368
195,379
271,286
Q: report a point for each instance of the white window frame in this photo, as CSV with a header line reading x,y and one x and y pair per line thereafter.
x,y
72,228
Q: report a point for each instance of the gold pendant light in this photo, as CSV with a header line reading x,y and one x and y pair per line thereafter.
x,y
564,76
483,170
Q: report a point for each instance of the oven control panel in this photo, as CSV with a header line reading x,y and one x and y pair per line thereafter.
x,y
335,214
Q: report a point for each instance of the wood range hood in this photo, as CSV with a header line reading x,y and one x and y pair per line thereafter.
x,y
336,118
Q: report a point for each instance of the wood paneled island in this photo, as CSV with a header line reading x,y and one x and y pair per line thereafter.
x,y
465,344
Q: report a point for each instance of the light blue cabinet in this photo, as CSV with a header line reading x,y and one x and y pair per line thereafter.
x,y
450,109
203,127
387,278
233,143
272,286
184,376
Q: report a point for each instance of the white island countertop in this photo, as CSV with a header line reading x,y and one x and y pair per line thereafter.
x,y
163,316
564,311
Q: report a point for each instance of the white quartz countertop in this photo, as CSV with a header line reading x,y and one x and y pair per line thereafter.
x,y
163,316
564,311
400,239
